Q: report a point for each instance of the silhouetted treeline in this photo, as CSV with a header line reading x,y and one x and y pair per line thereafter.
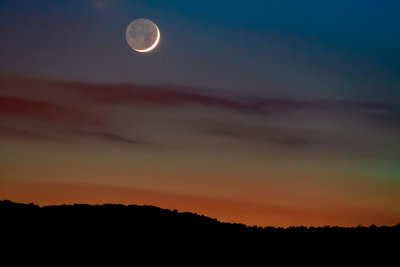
x,y
98,231
149,218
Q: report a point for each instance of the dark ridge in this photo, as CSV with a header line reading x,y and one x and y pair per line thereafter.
x,y
151,218
150,234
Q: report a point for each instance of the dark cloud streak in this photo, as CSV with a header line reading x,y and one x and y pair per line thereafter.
x,y
108,136
20,134
77,110
169,95
41,110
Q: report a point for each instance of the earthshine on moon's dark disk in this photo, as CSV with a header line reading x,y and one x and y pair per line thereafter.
x,y
142,35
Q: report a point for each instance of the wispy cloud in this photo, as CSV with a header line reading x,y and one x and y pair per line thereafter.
x,y
42,110
107,136
62,109
14,133
262,134
169,95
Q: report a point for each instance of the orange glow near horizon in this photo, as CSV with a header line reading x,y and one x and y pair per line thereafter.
x,y
223,157
226,210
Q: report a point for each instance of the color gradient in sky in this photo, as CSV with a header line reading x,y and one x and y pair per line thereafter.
x,y
260,112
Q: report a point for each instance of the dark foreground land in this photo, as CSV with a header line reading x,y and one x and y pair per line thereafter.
x,y
132,218
151,227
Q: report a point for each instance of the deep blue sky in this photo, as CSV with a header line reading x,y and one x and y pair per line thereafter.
x,y
317,49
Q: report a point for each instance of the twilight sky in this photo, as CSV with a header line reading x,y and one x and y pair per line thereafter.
x,y
261,112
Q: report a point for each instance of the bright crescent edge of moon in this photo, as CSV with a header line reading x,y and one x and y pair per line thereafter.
x,y
152,46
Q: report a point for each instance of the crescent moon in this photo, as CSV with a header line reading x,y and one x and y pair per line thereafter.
x,y
142,35
154,45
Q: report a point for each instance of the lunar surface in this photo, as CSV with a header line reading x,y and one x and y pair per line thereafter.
x,y
142,35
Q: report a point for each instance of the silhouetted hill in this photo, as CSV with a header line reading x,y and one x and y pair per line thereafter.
x,y
150,218
108,227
